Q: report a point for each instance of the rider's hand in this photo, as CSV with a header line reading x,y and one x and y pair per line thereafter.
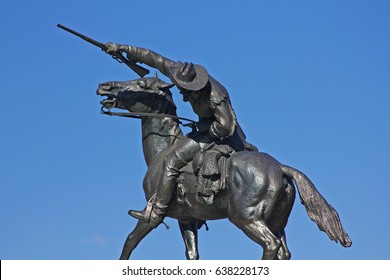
x,y
111,48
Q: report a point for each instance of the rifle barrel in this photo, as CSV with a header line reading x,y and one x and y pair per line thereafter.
x,y
82,36
136,68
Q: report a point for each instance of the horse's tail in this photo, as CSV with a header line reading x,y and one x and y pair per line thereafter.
x,y
318,209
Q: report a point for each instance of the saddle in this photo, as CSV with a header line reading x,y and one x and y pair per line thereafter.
x,y
209,170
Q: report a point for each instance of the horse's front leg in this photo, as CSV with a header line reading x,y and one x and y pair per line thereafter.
x,y
189,232
134,238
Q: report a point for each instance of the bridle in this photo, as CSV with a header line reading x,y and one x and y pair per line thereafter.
x,y
139,115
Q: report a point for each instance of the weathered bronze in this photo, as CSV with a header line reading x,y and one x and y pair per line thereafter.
x,y
213,172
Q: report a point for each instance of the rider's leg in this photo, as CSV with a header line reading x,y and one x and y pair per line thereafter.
x,y
182,153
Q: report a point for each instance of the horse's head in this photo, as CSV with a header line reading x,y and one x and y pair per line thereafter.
x,y
141,95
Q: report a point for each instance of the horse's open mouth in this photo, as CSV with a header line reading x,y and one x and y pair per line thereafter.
x,y
109,102
104,90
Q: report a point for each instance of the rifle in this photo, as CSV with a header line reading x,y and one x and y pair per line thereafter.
x,y
117,56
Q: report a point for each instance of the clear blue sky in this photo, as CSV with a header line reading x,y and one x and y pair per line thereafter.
x,y
309,81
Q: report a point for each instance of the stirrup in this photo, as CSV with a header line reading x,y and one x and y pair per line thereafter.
x,y
151,214
141,215
146,213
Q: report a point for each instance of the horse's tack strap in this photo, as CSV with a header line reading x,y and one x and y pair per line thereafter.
x,y
138,115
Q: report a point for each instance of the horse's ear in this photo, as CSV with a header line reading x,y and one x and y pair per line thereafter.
x,y
164,86
161,84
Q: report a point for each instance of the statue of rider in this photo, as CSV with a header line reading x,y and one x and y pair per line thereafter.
x,y
217,122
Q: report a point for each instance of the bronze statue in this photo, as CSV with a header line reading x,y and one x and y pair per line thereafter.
x,y
211,173
217,122
257,195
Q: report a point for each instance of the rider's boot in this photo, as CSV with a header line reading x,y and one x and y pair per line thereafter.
x,y
156,208
154,213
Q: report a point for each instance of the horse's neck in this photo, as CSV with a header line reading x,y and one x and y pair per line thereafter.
x,y
158,134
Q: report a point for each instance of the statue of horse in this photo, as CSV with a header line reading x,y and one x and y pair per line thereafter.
x,y
259,192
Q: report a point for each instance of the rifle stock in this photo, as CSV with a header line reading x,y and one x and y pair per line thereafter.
x,y
141,71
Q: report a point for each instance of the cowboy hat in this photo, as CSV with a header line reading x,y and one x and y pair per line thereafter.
x,y
189,76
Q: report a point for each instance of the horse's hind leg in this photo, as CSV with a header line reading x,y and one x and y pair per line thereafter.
x,y
280,221
283,252
134,238
259,232
189,232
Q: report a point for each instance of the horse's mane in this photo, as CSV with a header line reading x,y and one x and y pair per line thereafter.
x,y
166,104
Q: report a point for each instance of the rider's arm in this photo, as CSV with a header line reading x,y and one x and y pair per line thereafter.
x,y
225,119
142,55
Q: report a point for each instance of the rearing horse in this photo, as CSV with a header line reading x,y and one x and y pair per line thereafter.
x,y
259,192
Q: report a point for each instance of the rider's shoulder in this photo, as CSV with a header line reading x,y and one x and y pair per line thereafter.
x,y
218,92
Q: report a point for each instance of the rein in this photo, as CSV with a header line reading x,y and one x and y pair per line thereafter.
x,y
139,115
